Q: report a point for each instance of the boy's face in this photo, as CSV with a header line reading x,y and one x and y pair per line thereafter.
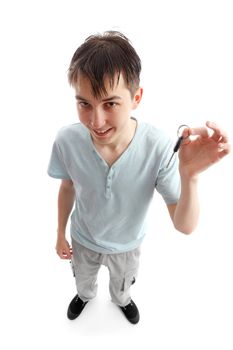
x,y
108,118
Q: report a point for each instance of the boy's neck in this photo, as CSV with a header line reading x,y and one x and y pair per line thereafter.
x,y
111,152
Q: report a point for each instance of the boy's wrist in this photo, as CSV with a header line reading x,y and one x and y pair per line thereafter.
x,y
61,232
186,177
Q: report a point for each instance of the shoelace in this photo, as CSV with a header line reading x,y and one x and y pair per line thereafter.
x,y
130,304
77,299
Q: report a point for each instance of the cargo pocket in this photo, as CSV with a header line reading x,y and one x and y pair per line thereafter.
x,y
130,278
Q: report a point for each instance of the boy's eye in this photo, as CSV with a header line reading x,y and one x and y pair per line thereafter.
x,y
83,104
110,104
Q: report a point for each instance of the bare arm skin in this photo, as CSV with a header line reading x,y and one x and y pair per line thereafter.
x,y
66,199
185,213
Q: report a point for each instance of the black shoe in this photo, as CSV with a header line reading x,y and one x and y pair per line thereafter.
x,y
131,312
75,308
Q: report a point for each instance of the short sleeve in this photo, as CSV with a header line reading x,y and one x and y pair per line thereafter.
x,y
57,168
168,182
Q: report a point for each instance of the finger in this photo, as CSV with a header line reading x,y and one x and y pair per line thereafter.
x,y
219,134
199,131
67,254
64,254
224,149
185,135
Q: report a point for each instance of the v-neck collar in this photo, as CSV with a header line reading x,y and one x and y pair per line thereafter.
x,y
124,153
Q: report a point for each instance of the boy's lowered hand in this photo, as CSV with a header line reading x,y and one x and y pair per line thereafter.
x,y
63,248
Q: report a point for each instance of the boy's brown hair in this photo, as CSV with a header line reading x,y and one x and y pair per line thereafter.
x,y
104,56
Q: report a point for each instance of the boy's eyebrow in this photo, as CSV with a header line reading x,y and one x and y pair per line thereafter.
x,y
78,97
114,97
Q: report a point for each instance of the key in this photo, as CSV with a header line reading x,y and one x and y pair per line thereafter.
x,y
176,148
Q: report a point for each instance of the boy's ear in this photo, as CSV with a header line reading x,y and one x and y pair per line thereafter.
x,y
137,97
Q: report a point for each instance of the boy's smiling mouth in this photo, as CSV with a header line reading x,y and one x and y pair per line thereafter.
x,y
102,133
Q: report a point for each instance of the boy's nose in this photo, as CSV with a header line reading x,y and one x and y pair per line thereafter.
x,y
97,120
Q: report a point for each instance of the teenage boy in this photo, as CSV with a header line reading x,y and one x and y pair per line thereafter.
x,y
110,164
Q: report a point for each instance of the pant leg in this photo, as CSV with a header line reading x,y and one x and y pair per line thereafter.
x,y
123,269
86,264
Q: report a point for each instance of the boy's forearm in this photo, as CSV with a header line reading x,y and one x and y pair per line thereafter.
x,y
187,210
65,204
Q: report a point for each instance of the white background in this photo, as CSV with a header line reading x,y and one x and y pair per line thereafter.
x,y
184,290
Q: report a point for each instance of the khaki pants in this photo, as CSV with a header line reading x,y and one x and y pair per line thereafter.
x,y
123,268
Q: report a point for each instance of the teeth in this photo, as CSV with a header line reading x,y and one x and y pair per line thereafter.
x,y
102,132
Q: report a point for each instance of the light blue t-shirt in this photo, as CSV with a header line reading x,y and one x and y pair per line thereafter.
x,y
112,202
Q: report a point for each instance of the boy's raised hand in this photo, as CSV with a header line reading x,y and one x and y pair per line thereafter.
x,y
205,150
